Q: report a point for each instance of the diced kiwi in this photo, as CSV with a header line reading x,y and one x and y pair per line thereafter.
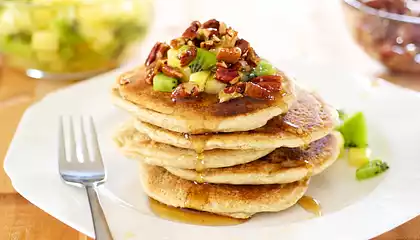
x,y
200,78
264,68
354,131
214,86
371,169
163,83
173,60
204,60
358,157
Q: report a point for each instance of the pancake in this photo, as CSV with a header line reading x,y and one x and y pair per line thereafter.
x,y
240,201
283,165
309,119
136,145
198,115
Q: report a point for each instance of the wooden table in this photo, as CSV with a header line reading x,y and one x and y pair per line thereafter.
x,y
19,219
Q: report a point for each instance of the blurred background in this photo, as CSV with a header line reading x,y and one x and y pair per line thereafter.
x,y
75,39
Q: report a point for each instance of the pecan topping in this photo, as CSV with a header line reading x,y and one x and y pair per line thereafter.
x,y
206,34
239,88
226,75
125,78
212,23
191,31
188,56
221,64
158,51
207,44
255,91
271,86
152,55
252,58
222,28
177,43
243,45
268,78
229,55
152,70
185,90
171,72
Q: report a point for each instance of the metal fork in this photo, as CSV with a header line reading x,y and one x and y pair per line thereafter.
x,y
84,170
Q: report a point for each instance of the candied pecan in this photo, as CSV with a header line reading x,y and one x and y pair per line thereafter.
x,y
188,56
152,55
212,23
215,38
243,45
252,57
221,64
226,75
229,55
152,70
229,40
126,78
239,88
185,90
268,78
171,71
207,44
191,31
158,51
222,28
271,86
205,34
255,91
178,42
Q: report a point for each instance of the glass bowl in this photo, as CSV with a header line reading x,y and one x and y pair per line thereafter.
x,y
391,38
70,39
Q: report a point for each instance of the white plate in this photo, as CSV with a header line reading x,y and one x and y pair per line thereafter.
x,y
352,209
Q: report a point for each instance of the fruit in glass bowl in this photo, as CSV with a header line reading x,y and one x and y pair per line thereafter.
x,y
70,38
388,30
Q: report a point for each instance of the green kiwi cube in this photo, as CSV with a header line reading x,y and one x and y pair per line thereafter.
x,y
354,131
163,83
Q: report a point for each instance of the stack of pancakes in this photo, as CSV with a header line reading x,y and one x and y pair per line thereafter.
x,y
235,158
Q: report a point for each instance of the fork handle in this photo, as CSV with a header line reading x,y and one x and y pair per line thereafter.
x,y
100,225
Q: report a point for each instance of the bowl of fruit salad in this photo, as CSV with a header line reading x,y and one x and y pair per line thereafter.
x,y
388,30
70,39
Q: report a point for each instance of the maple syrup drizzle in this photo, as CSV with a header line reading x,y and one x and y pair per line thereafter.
x,y
189,216
311,205
199,143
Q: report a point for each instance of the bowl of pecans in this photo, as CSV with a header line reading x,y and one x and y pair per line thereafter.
x,y
388,30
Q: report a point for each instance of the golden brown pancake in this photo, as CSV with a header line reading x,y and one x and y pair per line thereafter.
x,y
283,165
241,201
309,119
202,114
136,145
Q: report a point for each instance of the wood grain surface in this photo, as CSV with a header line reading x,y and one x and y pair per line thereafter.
x,y
20,220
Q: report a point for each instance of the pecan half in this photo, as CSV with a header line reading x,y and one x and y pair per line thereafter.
x,y
239,88
268,78
271,86
185,90
222,28
152,70
207,44
252,57
191,31
158,51
152,55
205,34
229,55
171,71
243,45
177,42
212,23
226,75
255,91
187,56
229,40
